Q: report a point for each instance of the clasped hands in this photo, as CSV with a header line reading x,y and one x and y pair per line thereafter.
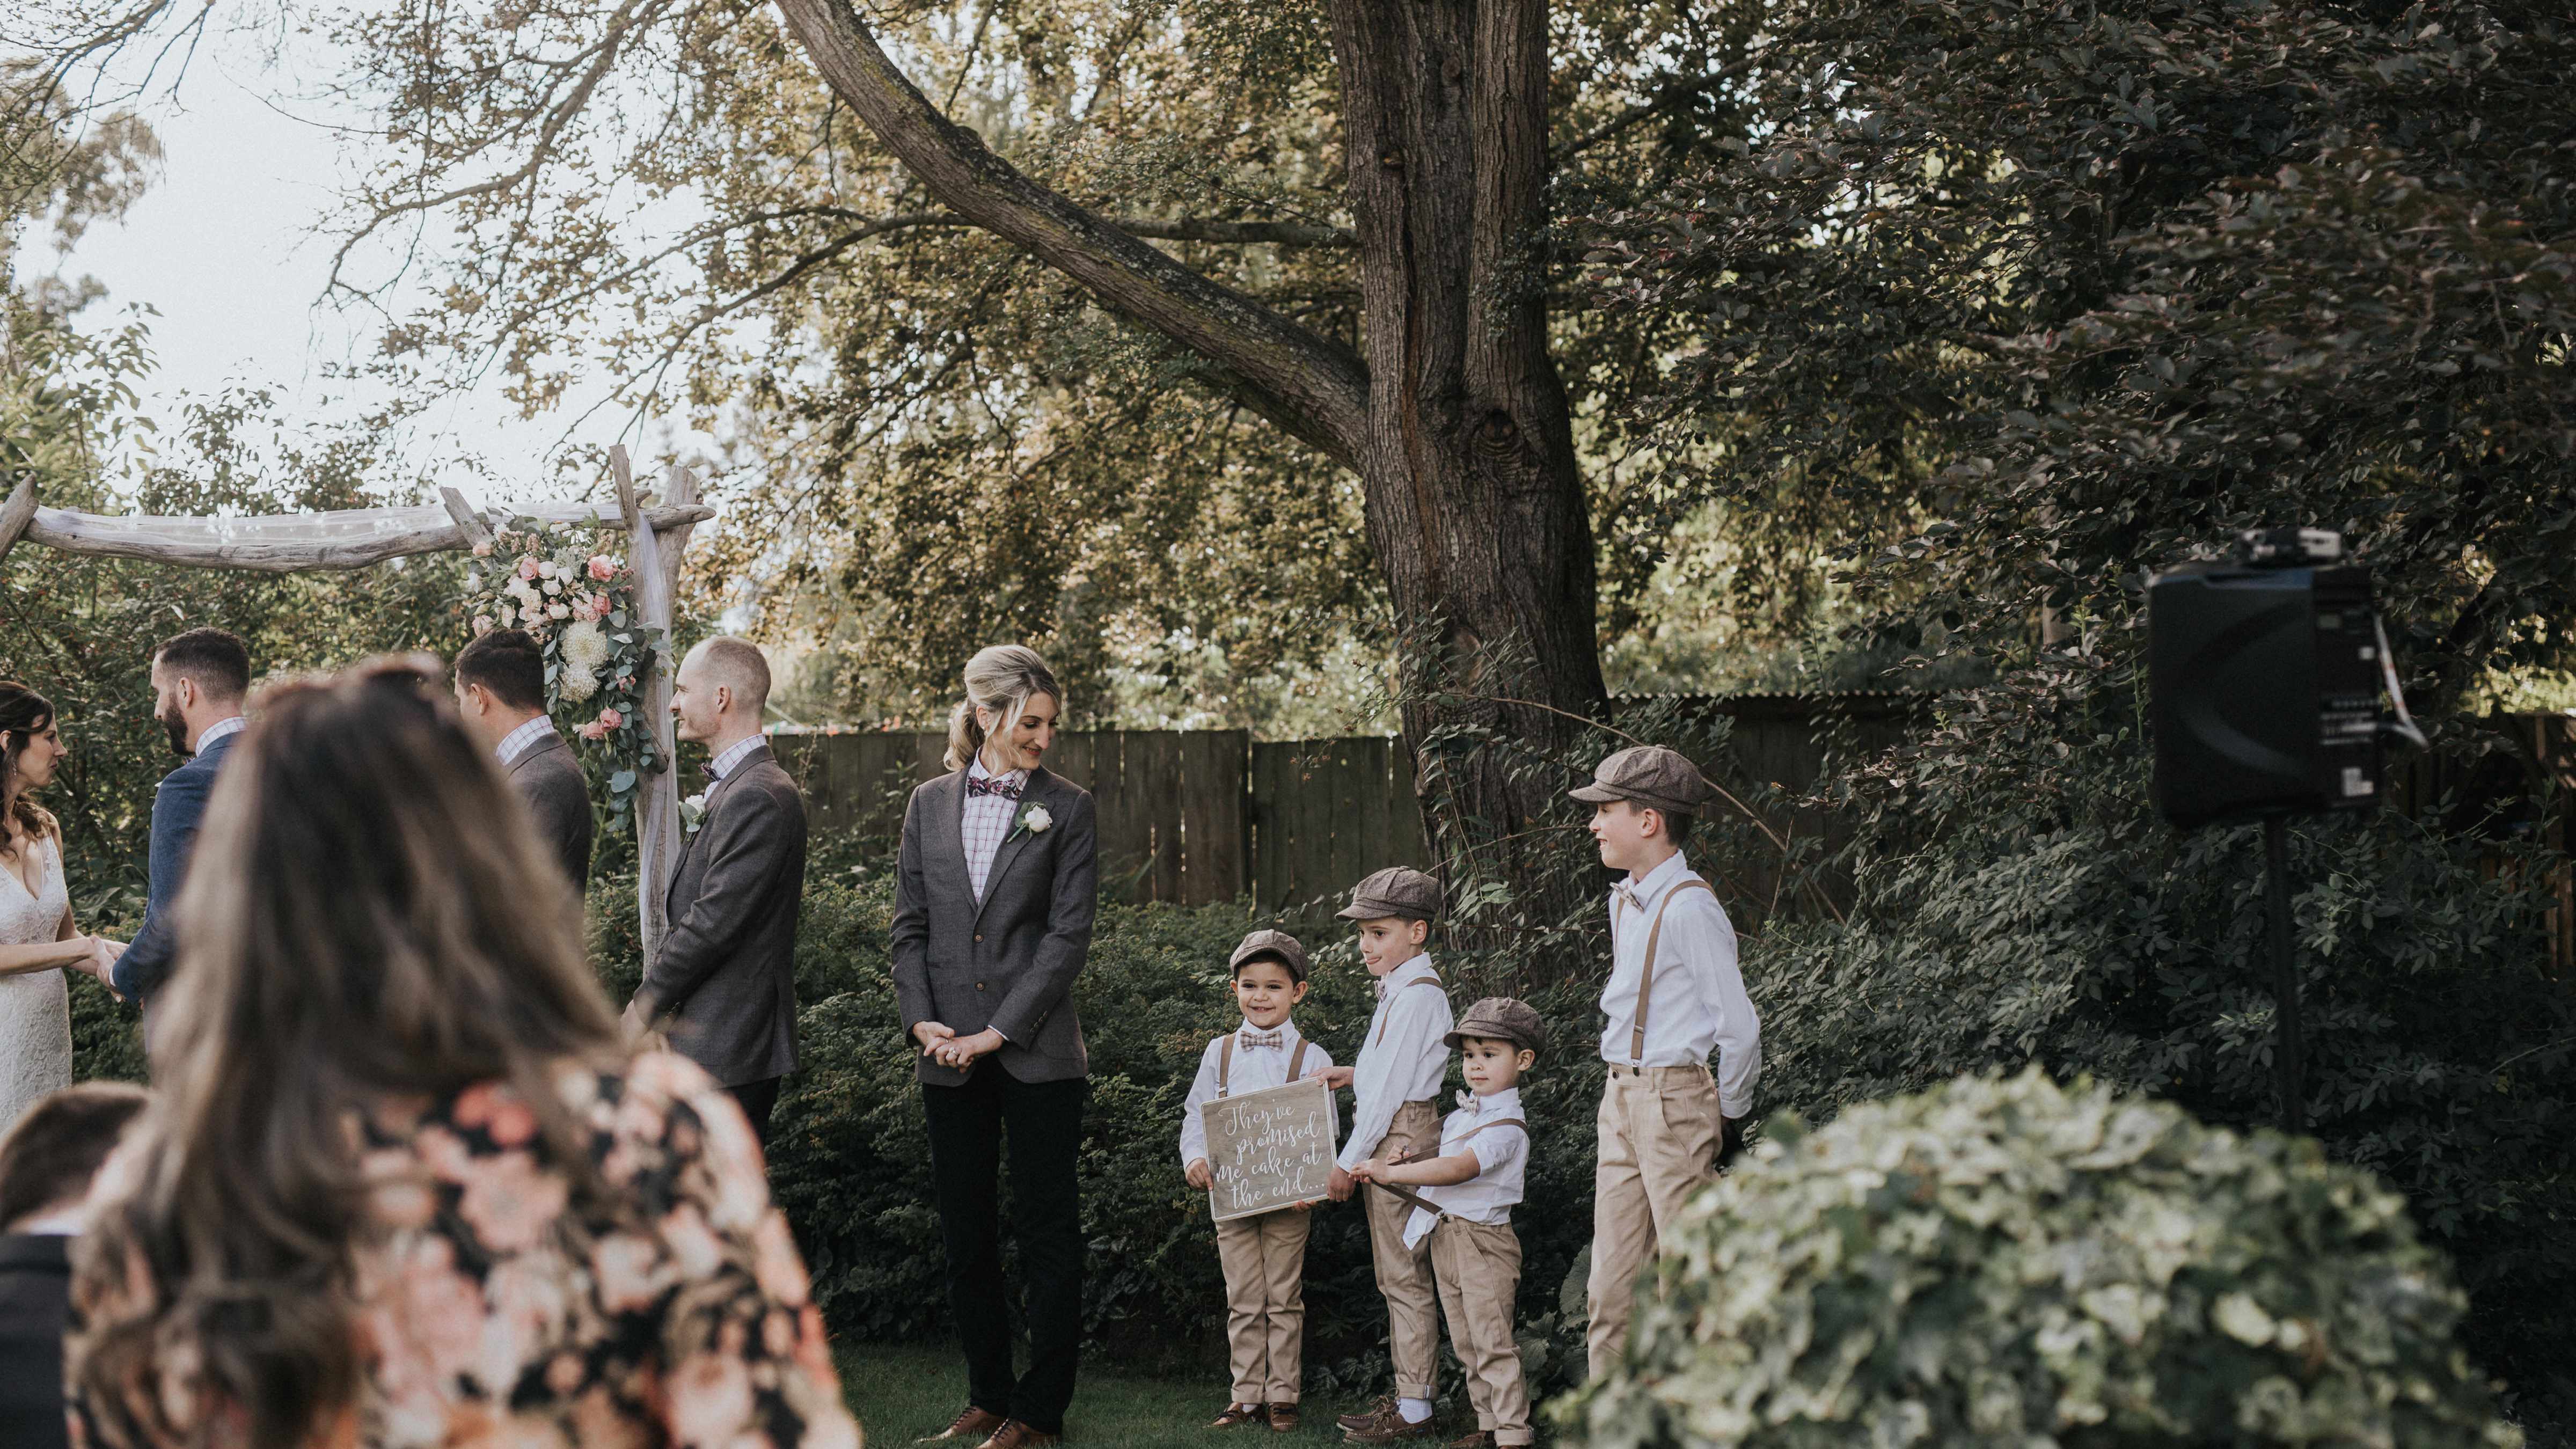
x,y
941,1043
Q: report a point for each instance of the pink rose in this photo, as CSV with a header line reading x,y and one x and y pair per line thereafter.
x,y
528,568
602,567
610,719
599,606
483,549
594,732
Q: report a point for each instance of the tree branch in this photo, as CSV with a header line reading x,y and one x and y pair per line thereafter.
x,y
1309,385
1671,98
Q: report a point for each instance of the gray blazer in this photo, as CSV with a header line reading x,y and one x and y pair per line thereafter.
x,y
1010,962
724,983
548,777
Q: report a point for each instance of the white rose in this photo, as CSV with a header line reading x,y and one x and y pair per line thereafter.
x,y
553,588
558,611
1038,820
545,568
532,615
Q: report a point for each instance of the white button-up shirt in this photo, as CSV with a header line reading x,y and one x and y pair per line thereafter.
x,y
220,728
1699,1002
734,754
987,823
1502,1163
523,739
1403,1058
1255,1069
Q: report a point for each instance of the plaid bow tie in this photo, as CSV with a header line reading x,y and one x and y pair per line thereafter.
x,y
1627,892
991,785
1249,1040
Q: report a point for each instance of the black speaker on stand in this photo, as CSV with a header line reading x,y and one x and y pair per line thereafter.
x,y
2264,676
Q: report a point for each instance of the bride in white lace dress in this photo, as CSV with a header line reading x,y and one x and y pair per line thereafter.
x,y
37,937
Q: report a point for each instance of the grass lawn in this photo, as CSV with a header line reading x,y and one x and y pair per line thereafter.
x,y
901,1392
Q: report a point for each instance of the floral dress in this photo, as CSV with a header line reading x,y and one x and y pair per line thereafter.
x,y
496,1316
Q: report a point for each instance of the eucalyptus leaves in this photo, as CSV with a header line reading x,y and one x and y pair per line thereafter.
x,y
580,605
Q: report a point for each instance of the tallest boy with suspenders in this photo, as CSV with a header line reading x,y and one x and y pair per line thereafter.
x,y
1674,995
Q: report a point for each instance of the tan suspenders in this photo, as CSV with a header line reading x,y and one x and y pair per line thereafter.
x,y
1389,1019
1225,1062
1497,1122
1646,973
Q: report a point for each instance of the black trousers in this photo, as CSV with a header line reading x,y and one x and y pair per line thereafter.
x,y
758,1100
1042,1124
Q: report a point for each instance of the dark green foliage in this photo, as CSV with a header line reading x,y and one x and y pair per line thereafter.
x,y
2000,1262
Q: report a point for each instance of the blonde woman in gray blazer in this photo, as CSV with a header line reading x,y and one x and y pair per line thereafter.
x,y
994,896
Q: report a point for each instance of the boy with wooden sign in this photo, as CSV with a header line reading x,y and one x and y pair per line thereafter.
x,y
1395,1082
1464,1211
1675,994
1264,1255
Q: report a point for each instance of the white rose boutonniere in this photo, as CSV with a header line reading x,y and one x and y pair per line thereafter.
x,y
693,813
1034,819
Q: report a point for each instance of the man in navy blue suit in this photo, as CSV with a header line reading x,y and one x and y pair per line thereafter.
x,y
199,681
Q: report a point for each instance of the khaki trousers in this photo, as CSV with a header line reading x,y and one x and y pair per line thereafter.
x,y
1265,1303
1479,1268
1404,1274
1660,1128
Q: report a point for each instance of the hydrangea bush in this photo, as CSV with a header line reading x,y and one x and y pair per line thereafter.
x,y
1999,1262
580,604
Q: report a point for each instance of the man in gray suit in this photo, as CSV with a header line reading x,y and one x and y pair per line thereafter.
x,y
501,692
724,983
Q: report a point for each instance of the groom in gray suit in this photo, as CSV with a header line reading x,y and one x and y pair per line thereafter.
x,y
724,983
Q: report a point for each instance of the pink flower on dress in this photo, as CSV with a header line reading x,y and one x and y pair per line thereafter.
x,y
710,1398
602,567
630,1272
510,1201
496,1109
774,1263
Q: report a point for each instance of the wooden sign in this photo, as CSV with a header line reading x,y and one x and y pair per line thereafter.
x,y
1269,1149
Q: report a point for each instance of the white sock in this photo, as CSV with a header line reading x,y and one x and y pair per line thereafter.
x,y
1413,1410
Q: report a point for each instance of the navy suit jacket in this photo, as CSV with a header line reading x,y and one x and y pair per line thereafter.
x,y
178,808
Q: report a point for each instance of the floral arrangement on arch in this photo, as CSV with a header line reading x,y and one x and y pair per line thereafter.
x,y
580,604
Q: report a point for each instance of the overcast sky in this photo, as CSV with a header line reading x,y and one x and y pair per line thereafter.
x,y
224,246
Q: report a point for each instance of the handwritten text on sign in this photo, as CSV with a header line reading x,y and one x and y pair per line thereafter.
x,y
1269,1149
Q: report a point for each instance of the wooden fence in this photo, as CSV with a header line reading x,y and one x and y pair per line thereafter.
x,y
1209,815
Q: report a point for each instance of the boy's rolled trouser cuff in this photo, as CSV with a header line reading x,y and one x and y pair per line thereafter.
x,y
1404,1274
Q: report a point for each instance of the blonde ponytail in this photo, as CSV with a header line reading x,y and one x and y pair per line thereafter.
x,y
1000,678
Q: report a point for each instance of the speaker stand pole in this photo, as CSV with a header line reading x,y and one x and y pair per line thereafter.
x,y
2287,1048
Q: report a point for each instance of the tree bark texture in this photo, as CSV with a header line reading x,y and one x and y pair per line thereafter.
x,y
1456,422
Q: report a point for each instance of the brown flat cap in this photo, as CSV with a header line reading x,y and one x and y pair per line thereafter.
x,y
1290,952
1650,775
1502,1018
1398,890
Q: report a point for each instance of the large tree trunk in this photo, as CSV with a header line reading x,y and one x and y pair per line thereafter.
x,y
1456,421
1475,504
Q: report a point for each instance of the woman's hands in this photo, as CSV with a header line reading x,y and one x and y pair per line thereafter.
x,y
101,961
941,1043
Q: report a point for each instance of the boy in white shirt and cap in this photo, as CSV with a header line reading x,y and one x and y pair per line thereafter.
x,y
1464,1209
1395,1087
1264,1255
1675,994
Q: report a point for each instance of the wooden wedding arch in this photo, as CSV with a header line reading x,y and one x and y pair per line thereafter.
x,y
358,538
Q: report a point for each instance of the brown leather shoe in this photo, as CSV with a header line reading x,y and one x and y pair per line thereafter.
x,y
974,1424
1370,1415
1389,1427
1015,1435
1284,1418
1237,1415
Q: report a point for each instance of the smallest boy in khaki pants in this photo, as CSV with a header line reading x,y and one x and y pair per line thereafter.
x,y
1465,1210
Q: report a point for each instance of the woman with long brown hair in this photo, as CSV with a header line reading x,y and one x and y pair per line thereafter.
x,y
38,937
403,1188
